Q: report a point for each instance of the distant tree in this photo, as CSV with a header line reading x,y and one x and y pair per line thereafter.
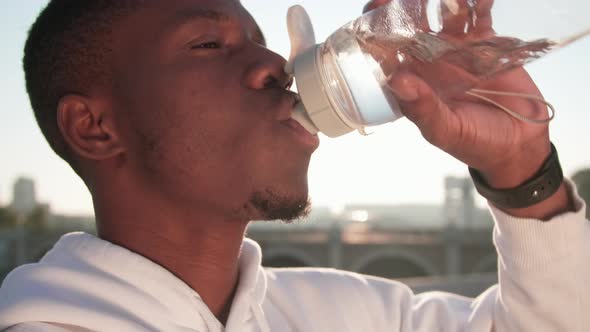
x,y
7,218
582,181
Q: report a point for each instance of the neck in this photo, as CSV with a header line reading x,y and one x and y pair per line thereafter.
x,y
202,250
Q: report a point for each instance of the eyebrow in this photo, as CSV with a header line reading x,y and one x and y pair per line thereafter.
x,y
186,16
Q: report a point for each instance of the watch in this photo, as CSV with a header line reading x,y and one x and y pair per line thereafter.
x,y
535,190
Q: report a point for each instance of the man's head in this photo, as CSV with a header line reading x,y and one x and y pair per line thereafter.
x,y
178,99
68,52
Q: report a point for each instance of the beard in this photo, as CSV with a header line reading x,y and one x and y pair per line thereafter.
x,y
271,205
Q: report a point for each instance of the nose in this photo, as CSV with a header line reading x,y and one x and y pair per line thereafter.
x,y
266,70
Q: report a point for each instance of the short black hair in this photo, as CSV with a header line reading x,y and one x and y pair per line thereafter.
x,y
66,52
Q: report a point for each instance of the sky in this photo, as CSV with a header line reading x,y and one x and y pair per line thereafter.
x,y
394,165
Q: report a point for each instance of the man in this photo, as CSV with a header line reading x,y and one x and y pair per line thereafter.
x,y
177,118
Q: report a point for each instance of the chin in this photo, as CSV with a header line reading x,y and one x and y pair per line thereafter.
x,y
272,204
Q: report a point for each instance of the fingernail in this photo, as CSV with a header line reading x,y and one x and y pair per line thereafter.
x,y
406,91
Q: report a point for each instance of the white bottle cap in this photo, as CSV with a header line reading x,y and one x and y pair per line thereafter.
x,y
318,113
300,115
312,91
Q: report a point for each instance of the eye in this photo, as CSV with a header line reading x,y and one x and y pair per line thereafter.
x,y
206,45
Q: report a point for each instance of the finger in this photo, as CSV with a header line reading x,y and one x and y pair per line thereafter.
x,y
460,17
446,76
454,16
482,24
417,10
413,10
374,4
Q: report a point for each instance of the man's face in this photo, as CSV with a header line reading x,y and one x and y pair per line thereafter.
x,y
202,107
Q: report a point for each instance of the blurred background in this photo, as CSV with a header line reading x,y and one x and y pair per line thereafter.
x,y
388,204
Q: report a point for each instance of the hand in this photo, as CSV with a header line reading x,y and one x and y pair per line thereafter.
x,y
505,150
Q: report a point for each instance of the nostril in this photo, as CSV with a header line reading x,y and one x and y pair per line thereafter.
x,y
289,83
270,81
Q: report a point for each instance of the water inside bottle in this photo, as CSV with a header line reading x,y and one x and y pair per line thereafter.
x,y
363,100
450,67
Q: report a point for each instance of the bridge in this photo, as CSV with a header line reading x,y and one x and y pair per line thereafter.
x,y
374,250
361,247
443,242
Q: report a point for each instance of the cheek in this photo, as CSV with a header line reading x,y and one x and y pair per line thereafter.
x,y
197,141
172,103
190,122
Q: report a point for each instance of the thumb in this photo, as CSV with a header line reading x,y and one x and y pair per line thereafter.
x,y
421,105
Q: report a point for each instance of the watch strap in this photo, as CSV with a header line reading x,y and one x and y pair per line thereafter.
x,y
535,190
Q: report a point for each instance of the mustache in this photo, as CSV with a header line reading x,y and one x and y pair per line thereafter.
x,y
294,96
279,95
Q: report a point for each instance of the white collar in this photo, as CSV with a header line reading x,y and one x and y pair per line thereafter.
x,y
96,272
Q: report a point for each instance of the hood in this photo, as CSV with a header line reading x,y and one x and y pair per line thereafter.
x,y
87,282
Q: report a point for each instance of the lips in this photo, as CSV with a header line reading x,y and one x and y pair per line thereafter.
x,y
293,98
301,134
289,100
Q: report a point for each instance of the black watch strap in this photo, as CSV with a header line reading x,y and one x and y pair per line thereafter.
x,y
538,188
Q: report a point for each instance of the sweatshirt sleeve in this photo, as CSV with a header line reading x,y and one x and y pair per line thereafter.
x,y
43,327
543,275
543,271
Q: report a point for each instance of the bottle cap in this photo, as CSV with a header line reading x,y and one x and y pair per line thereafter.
x,y
300,115
313,95
316,112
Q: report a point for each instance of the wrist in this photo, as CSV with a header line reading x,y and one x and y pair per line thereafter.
x,y
545,182
560,202
518,169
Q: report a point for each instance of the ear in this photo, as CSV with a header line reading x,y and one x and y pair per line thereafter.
x,y
88,128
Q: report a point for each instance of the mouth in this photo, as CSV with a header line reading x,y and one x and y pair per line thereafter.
x,y
300,133
292,98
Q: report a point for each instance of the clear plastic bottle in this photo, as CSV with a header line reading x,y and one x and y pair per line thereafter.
x,y
343,82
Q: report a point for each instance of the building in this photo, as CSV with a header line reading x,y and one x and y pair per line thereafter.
x,y
459,205
24,199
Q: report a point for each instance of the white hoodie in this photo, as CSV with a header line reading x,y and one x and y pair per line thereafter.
x,y
85,283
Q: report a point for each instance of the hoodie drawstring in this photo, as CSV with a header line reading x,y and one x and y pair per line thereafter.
x,y
259,316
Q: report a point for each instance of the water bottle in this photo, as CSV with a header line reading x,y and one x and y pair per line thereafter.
x,y
343,82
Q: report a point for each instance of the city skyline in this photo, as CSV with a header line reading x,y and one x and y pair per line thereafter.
x,y
394,165
457,210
